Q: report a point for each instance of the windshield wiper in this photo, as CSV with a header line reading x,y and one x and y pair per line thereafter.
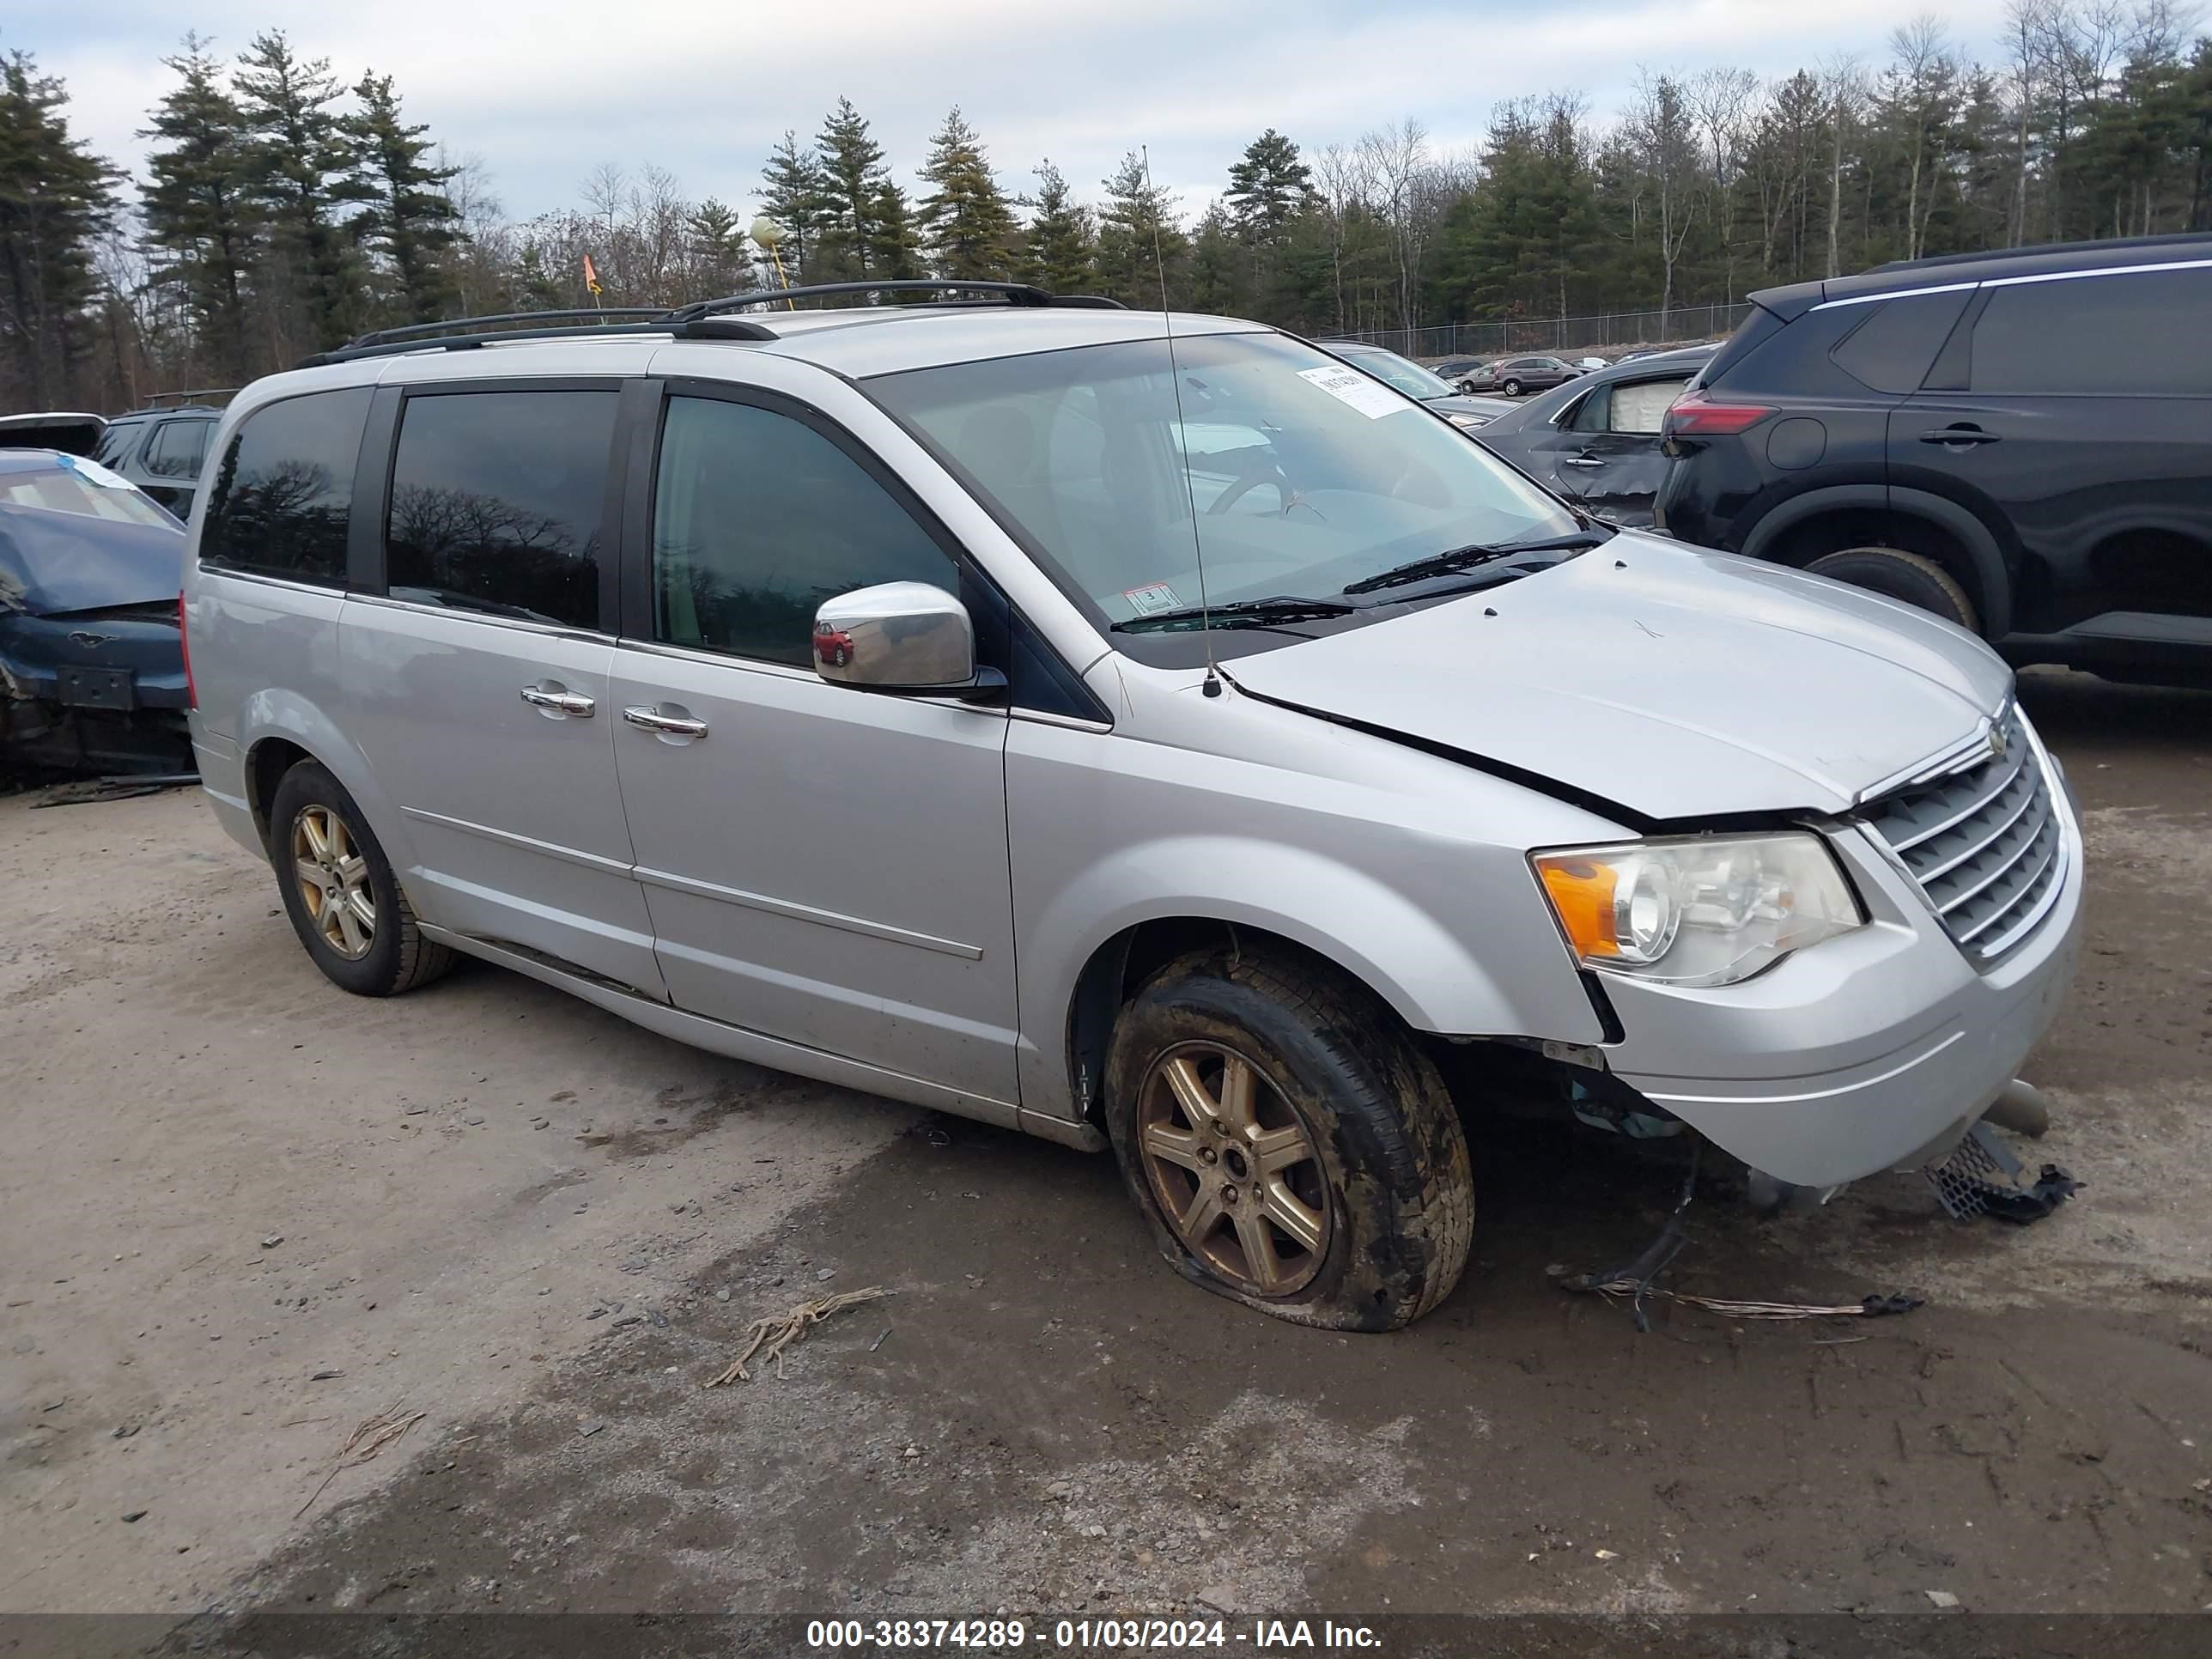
x,y
1477,553
1238,613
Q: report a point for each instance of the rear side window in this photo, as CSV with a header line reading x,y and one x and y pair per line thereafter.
x,y
497,501
283,494
2142,333
178,448
115,443
1892,349
1636,407
758,519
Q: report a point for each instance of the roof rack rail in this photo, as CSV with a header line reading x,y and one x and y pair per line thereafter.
x,y
1014,293
703,320
423,330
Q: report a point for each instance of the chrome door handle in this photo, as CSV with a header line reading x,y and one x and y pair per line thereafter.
x,y
676,725
1582,460
561,702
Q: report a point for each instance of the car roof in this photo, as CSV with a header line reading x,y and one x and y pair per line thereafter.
x,y
1959,270
855,342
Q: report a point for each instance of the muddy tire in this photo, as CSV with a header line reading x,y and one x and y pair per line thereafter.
x,y
346,905
1895,574
1290,1147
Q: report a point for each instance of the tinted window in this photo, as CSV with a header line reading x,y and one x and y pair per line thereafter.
x,y
758,519
1891,350
497,502
283,496
178,448
115,443
2149,332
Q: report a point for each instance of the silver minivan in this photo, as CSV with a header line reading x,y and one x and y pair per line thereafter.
x,y
1143,733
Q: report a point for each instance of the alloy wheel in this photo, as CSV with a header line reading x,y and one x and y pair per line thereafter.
x,y
1235,1170
333,878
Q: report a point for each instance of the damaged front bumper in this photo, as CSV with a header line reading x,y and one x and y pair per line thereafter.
x,y
94,692
1874,1051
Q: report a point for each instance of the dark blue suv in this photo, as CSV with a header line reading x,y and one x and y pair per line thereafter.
x,y
2019,441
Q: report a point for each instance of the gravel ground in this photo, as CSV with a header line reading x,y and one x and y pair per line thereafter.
x,y
545,1230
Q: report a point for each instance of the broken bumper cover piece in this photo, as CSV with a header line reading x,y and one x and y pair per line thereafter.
x,y
1874,1051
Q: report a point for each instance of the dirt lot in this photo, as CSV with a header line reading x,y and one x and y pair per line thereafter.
x,y
544,1230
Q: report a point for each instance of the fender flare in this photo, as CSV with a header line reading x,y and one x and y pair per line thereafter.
x,y
1991,575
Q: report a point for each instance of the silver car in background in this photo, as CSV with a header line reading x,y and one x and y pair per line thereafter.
x,y
1145,735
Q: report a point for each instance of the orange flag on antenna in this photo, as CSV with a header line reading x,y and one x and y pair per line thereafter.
x,y
591,276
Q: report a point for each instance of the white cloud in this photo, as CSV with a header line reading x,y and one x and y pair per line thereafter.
x,y
545,91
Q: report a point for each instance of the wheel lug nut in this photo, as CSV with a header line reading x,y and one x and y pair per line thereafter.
x,y
1206,1154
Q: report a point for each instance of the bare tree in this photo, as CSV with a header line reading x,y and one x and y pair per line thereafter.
x,y
1659,128
1721,99
1396,159
1846,84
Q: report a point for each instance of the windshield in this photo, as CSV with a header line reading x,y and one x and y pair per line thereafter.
x,y
1409,377
68,489
1306,478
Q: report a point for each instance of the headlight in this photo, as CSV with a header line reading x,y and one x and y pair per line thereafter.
x,y
1697,910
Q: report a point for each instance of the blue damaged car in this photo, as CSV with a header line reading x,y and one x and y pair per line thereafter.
x,y
92,661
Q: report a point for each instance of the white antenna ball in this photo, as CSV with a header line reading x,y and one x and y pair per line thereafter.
x,y
766,232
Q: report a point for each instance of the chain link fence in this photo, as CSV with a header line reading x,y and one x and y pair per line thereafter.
x,y
1619,331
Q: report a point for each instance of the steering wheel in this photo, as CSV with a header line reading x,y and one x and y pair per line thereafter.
x,y
1264,472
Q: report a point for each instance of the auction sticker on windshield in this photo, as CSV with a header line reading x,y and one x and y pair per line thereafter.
x,y
1364,393
1152,597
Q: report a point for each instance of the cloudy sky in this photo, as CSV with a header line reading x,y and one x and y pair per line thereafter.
x,y
545,90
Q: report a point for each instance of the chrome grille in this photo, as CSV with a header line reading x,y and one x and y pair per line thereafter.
x,y
1985,844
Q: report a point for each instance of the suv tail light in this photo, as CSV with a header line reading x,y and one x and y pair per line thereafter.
x,y
185,644
1694,415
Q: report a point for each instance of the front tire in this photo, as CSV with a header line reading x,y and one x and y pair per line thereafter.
x,y
1914,577
1511,388
1290,1147
345,903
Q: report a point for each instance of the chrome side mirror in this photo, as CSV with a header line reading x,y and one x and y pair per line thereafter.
x,y
897,636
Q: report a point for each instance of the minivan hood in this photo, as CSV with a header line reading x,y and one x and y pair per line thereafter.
x,y
1673,682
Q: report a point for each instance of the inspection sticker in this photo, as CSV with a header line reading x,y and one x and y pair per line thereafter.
x,y
1152,598
1364,393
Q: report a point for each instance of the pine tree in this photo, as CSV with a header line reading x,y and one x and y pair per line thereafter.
x,y
853,177
1267,187
966,222
793,192
894,244
1062,254
1220,274
1140,245
301,167
717,246
202,223
54,197
407,216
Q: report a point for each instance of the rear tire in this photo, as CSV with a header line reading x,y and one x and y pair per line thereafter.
x,y
1348,1136
1914,577
327,862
